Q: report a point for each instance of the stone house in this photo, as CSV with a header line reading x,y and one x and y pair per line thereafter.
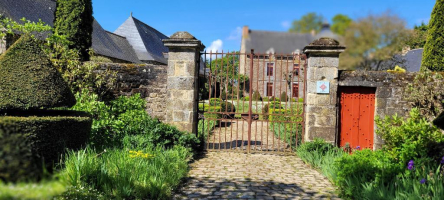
x,y
278,62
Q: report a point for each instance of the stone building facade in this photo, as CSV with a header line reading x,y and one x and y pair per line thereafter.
x,y
275,74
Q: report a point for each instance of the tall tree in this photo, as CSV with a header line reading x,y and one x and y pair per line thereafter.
x,y
73,19
307,23
433,56
340,24
417,37
371,40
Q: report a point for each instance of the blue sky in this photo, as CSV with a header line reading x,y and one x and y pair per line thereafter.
x,y
218,23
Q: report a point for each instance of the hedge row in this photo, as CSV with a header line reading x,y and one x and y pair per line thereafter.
x,y
27,144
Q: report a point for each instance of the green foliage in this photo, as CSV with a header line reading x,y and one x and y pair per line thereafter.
x,y
409,139
417,37
27,141
321,155
74,20
213,113
284,97
247,98
340,24
204,128
215,101
41,190
257,96
79,75
424,94
203,107
28,80
371,40
125,117
286,123
308,22
145,173
362,167
433,56
301,100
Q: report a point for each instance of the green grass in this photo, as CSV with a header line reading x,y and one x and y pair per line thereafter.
x,y
120,174
42,190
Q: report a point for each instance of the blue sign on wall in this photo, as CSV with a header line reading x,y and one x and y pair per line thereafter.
x,y
323,87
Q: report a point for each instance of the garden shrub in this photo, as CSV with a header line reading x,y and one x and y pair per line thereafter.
x,y
247,98
213,116
228,107
203,107
126,117
257,96
408,139
26,143
285,124
362,167
265,111
28,80
215,101
284,96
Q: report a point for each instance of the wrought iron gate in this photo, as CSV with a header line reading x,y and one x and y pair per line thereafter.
x,y
251,102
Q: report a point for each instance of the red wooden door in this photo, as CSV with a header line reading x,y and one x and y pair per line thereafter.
x,y
357,116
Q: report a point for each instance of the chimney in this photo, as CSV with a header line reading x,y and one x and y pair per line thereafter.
x,y
245,32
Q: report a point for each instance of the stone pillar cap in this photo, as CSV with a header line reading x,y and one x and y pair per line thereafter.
x,y
183,39
324,45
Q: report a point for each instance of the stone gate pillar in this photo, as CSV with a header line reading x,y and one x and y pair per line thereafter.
x,y
182,87
322,86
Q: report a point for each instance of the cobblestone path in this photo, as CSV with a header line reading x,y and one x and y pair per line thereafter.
x,y
232,175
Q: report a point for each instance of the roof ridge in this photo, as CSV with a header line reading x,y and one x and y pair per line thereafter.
x,y
280,32
148,26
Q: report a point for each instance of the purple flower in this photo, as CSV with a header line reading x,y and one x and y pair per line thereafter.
x,y
359,147
410,165
442,160
422,181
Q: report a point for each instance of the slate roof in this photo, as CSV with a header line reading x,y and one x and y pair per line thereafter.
x,y
282,42
103,43
146,41
411,61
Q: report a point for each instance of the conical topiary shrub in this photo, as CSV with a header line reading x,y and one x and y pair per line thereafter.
x,y
29,81
32,138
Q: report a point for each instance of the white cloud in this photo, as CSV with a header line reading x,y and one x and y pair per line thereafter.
x,y
286,24
235,34
216,45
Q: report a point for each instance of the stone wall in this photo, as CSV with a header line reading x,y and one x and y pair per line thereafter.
x,y
148,80
390,95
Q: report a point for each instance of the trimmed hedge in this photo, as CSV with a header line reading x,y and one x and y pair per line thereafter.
x,y
28,80
29,143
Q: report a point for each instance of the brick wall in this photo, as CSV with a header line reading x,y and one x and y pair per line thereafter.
x,y
148,80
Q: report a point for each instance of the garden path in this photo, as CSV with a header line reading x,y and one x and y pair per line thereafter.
x,y
236,175
233,135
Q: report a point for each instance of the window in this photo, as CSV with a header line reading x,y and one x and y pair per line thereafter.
x,y
296,69
270,69
295,91
269,89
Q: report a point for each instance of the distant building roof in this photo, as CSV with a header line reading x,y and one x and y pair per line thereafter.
x,y
103,43
280,42
146,41
411,61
